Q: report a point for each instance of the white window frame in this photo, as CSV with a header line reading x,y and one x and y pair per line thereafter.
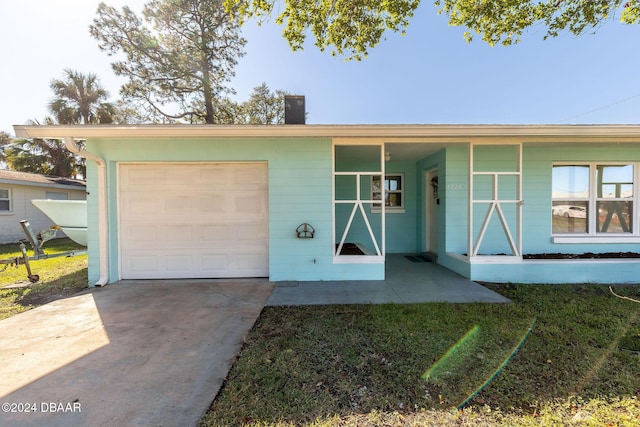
x,y
9,199
592,235
389,208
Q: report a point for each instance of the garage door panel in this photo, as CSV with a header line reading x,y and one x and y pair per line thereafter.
x,y
216,234
140,205
177,205
249,263
210,265
178,176
249,233
213,173
142,235
142,263
193,220
182,263
247,204
254,178
178,233
212,203
192,237
141,177
214,263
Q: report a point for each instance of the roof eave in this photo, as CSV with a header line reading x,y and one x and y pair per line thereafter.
x,y
79,187
324,131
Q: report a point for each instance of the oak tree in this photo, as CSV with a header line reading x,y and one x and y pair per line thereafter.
x,y
352,27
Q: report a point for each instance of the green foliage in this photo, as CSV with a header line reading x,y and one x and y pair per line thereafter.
x,y
179,55
229,112
42,156
631,12
347,27
264,106
5,138
338,364
351,27
503,22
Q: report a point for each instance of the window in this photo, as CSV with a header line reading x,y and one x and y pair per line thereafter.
x,y
57,195
614,198
593,199
5,200
393,190
570,198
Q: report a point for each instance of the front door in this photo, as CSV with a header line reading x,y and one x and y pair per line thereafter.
x,y
432,203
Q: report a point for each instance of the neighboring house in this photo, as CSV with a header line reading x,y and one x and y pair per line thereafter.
x,y
197,201
17,189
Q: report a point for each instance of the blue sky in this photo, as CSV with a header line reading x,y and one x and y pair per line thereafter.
x,y
428,76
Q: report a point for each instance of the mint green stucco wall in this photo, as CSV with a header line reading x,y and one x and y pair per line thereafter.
x,y
536,192
538,160
559,272
453,167
453,187
92,222
299,191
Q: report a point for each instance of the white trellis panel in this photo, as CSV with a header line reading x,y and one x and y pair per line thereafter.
x,y
495,204
358,208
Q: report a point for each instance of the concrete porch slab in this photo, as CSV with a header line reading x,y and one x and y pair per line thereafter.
x,y
406,282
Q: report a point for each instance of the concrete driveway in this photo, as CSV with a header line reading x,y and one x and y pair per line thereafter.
x,y
143,353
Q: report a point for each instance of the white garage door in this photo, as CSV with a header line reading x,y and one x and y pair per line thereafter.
x,y
188,220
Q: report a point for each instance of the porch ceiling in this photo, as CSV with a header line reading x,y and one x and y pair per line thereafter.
x,y
401,151
398,151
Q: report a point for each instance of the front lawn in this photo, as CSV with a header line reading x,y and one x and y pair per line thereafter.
x,y
59,277
416,364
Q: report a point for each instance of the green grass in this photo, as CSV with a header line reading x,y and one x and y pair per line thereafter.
x,y
365,365
353,365
59,277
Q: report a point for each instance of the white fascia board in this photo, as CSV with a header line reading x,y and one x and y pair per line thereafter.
x,y
528,132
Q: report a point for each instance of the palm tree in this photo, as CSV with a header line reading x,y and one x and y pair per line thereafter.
x,y
79,99
42,156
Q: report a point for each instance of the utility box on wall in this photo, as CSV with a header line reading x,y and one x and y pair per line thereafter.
x,y
294,110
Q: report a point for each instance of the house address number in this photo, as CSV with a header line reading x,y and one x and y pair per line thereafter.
x,y
454,186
